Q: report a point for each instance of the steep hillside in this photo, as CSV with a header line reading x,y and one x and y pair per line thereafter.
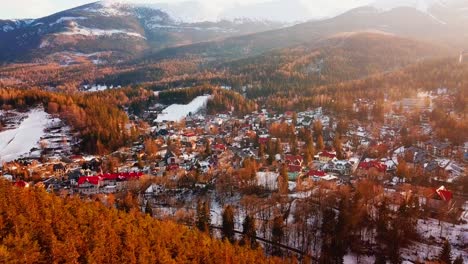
x,y
341,57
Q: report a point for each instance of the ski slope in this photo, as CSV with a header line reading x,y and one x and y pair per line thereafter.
x,y
177,112
19,141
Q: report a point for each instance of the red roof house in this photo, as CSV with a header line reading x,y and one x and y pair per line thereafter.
x,y
444,194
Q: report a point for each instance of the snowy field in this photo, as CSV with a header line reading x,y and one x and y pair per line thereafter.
x,y
433,235
20,140
177,112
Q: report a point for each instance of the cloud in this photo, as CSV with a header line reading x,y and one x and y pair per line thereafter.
x,y
35,8
209,8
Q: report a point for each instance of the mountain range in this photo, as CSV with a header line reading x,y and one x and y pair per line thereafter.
x,y
125,29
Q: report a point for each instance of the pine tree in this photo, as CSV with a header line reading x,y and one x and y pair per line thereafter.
x,y
445,255
203,220
277,234
228,223
340,241
249,237
148,209
328,233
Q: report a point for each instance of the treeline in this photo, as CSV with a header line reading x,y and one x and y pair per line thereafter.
x,y
132,76
97,117
38,227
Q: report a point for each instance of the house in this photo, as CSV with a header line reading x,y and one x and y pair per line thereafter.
x,y
341,167
106,183
170,159
325,156
21,184
444,194
89,184
366,165
189,137
293,159
59,169
439,201
263,139
372,168
219,147
437,148
317,175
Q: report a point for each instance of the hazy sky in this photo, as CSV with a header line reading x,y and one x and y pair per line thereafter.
x,y
38,8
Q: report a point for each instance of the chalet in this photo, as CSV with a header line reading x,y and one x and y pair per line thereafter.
x,y
170,158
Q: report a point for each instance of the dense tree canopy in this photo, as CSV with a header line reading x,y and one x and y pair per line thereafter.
x,y
38,227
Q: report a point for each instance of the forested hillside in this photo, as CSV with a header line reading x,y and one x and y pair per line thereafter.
x,y
38,227
97,117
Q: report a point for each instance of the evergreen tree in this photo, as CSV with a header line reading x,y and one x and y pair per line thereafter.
x,y
148,208
328,233
203,219
249,237
277,234
228,223
445,255
340,241
382,221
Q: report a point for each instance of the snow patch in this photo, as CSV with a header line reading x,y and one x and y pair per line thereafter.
x,y
63,19
19,141
177,112
79,30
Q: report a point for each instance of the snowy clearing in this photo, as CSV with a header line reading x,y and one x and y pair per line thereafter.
x,y
19,141
79,30
177,112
